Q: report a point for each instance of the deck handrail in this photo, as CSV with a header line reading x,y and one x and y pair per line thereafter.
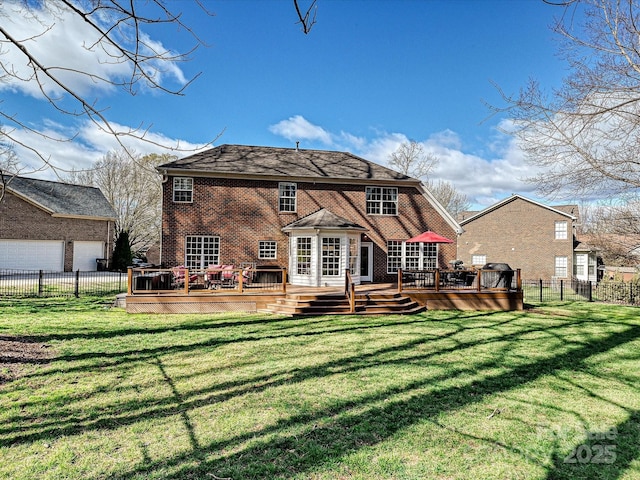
x,y
350,290
186,284
474,279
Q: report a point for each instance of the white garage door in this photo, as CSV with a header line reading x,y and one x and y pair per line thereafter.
x,y
85,254
32,255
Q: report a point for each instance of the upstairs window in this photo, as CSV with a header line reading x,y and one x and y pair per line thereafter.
x,y
382,200
287,196
183,190
561,230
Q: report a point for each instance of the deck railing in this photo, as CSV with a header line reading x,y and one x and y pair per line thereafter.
x,y
469,280
210,280
350,291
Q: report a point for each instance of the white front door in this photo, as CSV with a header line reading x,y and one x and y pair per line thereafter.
x,y
366,262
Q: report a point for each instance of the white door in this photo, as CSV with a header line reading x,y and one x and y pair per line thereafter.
x,y
366,262
32,255
85,255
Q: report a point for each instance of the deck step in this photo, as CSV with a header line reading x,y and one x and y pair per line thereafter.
x,y
365,304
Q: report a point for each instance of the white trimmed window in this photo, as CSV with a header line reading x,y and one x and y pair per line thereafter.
x,y
561,230
353,256
287,196
182,190
382,200
561,267
394,256
201,251
267,249
331,256
303,256
478,260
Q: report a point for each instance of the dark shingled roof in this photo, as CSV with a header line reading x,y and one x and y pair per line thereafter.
x,y
283,162
63,198
324,219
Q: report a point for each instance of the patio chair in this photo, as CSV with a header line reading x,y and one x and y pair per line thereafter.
x,y
179,276
227,276
213,276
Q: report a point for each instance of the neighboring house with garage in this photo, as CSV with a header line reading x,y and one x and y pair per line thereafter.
x,y
54,226
537,238
314,212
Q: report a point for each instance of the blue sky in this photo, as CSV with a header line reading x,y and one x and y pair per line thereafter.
x,y
370,75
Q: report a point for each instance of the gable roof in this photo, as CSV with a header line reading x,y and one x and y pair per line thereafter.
x,y
62,199
326,219
495,206
283,163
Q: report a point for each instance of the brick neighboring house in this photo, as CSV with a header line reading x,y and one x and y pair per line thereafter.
x,y
54,226
538,239
314,212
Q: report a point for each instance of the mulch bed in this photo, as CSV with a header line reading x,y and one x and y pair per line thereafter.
x,y
17,352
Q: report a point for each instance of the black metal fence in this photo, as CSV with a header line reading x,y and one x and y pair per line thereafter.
x,y
541,291
30,283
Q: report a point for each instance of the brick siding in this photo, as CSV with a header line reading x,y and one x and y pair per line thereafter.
x,y
521,234
243,212
19,220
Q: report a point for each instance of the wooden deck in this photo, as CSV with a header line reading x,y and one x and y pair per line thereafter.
x,y
208,301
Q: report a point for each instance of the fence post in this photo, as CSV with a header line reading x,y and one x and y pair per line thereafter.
x,y
40,279
590,291
399,280
436,279
519,280
76,288
561,289
540,290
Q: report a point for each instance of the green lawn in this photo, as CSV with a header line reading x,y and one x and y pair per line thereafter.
x,y
550,393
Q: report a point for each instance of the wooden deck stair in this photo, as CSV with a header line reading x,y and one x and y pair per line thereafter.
x,y
336,304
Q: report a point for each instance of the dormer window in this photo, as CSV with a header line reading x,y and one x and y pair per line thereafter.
x,y
183,189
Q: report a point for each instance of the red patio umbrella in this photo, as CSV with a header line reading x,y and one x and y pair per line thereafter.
x,y
429,237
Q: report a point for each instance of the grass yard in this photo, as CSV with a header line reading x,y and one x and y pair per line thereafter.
x,y
91,392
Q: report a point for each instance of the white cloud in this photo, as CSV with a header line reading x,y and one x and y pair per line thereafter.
x,y
63,42
484,180
89,145
298,128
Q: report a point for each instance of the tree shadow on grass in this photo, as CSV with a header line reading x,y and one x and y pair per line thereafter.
x,y
328,435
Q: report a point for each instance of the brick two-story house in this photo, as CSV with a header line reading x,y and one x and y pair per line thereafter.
x,y
314,212
54,226
538,239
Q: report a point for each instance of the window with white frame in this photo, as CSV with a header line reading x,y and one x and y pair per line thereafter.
x,y
561,230
412,256
382,200
201,251
579,268
287,196
267,249
478,260
394,256
182,190
353,256
303,256
561,267
331,256
429,256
